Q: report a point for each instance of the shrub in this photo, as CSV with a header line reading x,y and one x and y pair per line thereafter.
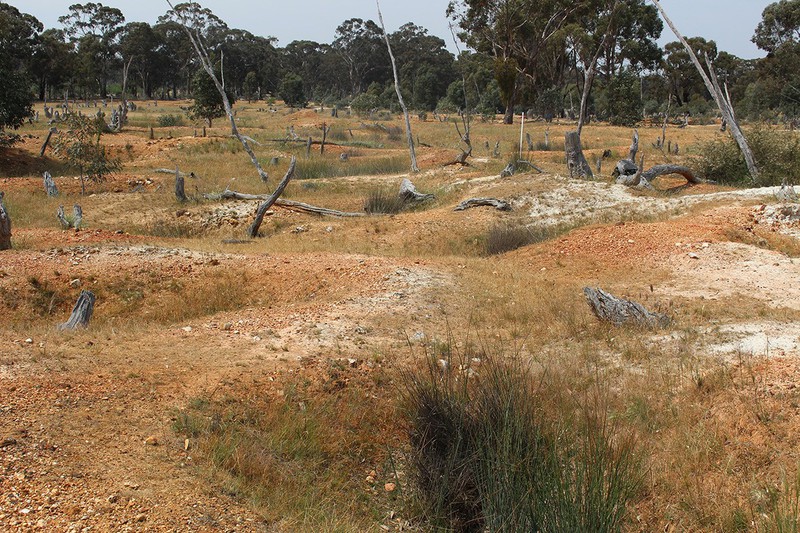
x,y
777,154
381,201
364,103
169,121
499,449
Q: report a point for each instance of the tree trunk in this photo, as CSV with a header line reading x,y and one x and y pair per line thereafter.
x,y
77,216
409,135
262,209
587,87
5,226
609,308
634,146
576,161
81,313
723,104
62,218
46,141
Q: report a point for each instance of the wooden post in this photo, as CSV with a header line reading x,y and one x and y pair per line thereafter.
x,y
180,194
5,225
325,130
81,313
576,162
50,185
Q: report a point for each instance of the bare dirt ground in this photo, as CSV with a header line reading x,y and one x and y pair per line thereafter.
x,y
86,433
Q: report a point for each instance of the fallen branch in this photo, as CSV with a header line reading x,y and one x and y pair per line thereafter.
x,y
289,204
663,170
500,205
618,311
168,171
252,231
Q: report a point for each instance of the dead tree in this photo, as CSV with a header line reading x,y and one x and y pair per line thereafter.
x,y
180,194
81,313
409,193
5,225
409,136
723,103
576,161
634,149
529,141
50,185
619,312
47,141
252,231
500,205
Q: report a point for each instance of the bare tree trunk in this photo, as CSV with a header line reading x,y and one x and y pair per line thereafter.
x,y
46,141
123,117
576,161
409,135
81,313
634,146
587,87
5,226
50,185
262,209
723,104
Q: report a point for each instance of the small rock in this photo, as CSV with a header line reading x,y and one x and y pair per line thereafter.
x,y
299,229
227,327
152,440
187,329
114,498
24,511
352,362
389,487
75,283
693,255
28,341
329,229
140,517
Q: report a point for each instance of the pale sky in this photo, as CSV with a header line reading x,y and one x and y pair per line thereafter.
x,y
730,23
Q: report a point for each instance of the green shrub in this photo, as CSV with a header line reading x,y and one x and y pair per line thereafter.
x,y
170,121
777,154
496,448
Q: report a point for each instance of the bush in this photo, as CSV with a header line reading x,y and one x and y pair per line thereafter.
x,y
777,154
498,449
364,103
169,121
507,237
381,201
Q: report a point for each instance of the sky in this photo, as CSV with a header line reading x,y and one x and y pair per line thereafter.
x,y
730,23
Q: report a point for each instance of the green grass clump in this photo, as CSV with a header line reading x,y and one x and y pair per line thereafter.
x,y
383,202
496,448
504,238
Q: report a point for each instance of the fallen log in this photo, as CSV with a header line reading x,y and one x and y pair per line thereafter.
x,y
168,171
5,225
409,193
663,170
618,311
500,205
81,313
290,204
252,231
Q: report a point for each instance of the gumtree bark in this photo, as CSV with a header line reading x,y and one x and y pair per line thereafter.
x,y
5,226
723,104
409,136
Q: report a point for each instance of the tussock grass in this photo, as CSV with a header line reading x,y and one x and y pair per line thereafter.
x,y
495,447
384,202
503,238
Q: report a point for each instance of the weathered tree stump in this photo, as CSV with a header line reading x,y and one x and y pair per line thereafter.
x,y
180,194
409,193
663,170
81,313
252,231
634,149
62,218
498,204
618,311
5,225
786,193
576,162
47,141
508,171
50,185
77,216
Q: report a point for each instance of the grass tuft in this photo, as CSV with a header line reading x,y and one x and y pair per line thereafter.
x,y
383,202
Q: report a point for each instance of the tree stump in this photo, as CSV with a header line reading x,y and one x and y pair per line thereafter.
x,y
252,231
618,311
409,193
62,218
77,216
5,226
180,194
576,162
50,185
81,313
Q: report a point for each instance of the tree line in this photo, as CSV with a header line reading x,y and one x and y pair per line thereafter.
x,y
548,56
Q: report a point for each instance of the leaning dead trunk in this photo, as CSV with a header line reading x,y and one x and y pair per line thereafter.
x,y
81,313
618,311
5,226
409,136
264,207
576,161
